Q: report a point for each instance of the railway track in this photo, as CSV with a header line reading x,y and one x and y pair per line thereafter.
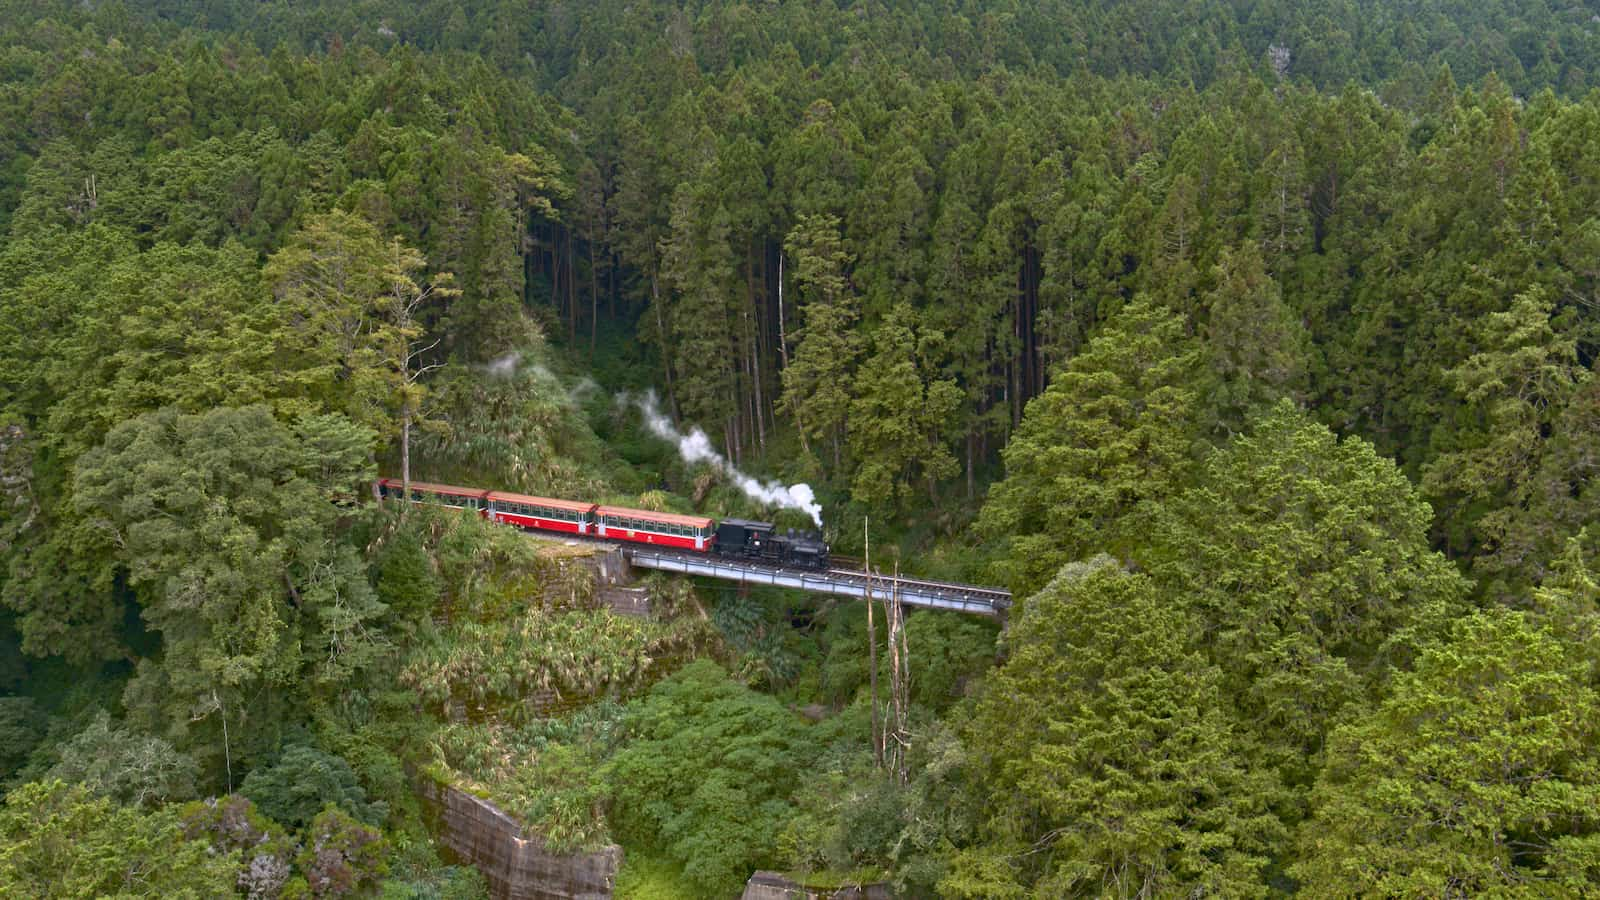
x,y
915,592
848,582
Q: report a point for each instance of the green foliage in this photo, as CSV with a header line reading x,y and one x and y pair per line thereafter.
x,y
1108,748
406,581
1305,560
816,382
1258,350
929,240
346,302
446,883
502,666
61,841
950,652
746,751
512,424
1113,432
546,772
233,826
1516,388
296,787
651,878
227,522
340,856
901,419
21,728
129,768
1476,775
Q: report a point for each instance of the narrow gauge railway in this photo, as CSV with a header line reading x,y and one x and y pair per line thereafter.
x,y
733,538
739,550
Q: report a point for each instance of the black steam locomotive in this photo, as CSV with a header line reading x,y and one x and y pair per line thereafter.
x,y
745,539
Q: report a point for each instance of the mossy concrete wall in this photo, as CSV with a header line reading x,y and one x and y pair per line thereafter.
x,y
773,886
516,863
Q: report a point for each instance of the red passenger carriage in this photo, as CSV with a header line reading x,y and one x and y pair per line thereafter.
x,y
543,513
757,540
657,528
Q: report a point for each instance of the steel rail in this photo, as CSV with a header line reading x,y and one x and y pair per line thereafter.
x,y
950,596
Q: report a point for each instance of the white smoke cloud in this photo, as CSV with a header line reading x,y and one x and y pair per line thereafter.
x,y
505,365
695,447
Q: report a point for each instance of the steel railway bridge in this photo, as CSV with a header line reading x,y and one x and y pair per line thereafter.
x,y
966,598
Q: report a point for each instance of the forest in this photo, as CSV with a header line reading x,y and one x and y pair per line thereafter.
x,y
1251,346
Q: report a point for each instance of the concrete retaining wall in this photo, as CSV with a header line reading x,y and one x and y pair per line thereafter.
x,y
773,886
517,865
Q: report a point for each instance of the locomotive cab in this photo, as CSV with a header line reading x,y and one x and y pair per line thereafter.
x,y
747,539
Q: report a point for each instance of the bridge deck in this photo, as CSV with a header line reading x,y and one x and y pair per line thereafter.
x,y
842,582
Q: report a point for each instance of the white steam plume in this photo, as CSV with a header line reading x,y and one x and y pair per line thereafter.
x,y
504,365
696,447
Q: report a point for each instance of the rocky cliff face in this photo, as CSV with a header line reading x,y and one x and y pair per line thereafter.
x,y
515,862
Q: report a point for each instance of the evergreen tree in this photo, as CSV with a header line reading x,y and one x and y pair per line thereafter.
x,y
1306,558
1109,761
1476,776
1257,349
1113,431
817,382
901,420
1514,390
698,265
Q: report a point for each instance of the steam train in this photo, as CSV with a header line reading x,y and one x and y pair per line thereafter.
x,y
732,538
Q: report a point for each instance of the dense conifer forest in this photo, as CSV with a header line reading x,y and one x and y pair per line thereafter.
x,y
1250,345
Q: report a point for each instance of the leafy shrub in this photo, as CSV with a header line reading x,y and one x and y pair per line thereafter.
x,y
546,773
406,579
126,766
233,824
302,781
60,840
341,856
21,727
745,753
496,666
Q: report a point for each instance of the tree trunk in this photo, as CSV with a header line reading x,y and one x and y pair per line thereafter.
x,y
572,295
661,329
783,339
972,441
753,336
405,452
555,273
594,303
783,354
872,648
